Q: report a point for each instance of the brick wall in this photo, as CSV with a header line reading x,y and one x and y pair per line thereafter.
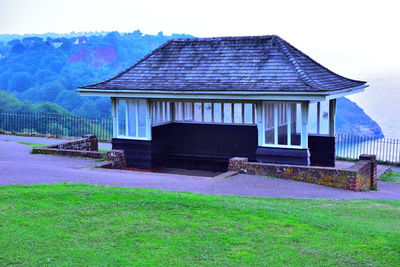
x,y
86,147
358,177
87,142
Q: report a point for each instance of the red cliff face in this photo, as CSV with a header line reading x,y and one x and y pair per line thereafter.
x,y
95,55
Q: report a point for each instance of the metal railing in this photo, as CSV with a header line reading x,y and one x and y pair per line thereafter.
x,y
347,146
54,124
351,147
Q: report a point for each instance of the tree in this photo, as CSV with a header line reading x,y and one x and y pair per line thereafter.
x,y
20,81
50,91
48,107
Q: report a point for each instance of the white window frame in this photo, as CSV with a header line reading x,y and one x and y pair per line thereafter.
x,y
213,120
161,112
277,119
115,116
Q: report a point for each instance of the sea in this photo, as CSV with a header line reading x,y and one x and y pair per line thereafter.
x,y
381,101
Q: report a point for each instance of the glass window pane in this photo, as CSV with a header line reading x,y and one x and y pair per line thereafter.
x,y
159,112
142,118
283,124
227,113
178,111
237,113
217,112
269,123
295,127
324,117
248,113
121,117
198,112
312,118
207,112
168,111
155,113
188,111
132,118
162,111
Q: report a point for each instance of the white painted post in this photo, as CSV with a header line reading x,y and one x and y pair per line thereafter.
x,y
304,124
260,122
114,114
332,116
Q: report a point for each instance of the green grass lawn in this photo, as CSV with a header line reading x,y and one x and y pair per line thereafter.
x,y
33,145
36,145
391,177
70,224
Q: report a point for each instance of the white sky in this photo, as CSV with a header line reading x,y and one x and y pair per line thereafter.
x,y
354,38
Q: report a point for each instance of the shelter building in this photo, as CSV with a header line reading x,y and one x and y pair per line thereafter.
x,y
199,102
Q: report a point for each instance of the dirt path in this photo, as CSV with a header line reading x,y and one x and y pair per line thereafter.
x,y
18,166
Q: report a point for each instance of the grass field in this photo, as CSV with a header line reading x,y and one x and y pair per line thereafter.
x,y
74,225
33,145
391,177
36,145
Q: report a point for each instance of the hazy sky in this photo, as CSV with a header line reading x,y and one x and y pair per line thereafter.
x,y
355,38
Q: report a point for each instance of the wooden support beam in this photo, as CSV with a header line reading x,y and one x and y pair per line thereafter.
x,y
332,116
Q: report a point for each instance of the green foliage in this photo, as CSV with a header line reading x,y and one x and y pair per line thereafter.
x,y
11,103
50,67
33,145
84,225
47,118
20,81
392,176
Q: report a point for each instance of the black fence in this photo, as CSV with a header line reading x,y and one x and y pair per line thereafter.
x,y
54,124
347,146
385,149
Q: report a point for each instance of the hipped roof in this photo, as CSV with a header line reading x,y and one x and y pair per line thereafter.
x,y
246,64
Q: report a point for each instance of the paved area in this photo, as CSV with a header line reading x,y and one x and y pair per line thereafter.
x,y
18,166
41,140
396,169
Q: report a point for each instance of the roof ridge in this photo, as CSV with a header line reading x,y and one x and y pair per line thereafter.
x,y
132,66
296,64
222,38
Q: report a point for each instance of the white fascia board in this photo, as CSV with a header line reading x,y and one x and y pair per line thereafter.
x,y
341,93
213,96
223,95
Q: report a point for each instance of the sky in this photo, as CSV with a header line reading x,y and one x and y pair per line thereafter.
x,y
358,38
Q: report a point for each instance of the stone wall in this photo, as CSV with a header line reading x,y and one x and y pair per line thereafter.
x,y
88,142
117,160
359,177
86,147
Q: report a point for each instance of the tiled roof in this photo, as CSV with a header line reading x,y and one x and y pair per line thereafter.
x,y
258,64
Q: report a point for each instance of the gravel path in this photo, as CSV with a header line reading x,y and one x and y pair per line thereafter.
x,y
18,166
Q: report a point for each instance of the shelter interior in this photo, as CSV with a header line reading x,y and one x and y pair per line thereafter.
x,y
205,134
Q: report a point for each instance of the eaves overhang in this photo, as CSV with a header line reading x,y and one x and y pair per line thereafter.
x,y
223,95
